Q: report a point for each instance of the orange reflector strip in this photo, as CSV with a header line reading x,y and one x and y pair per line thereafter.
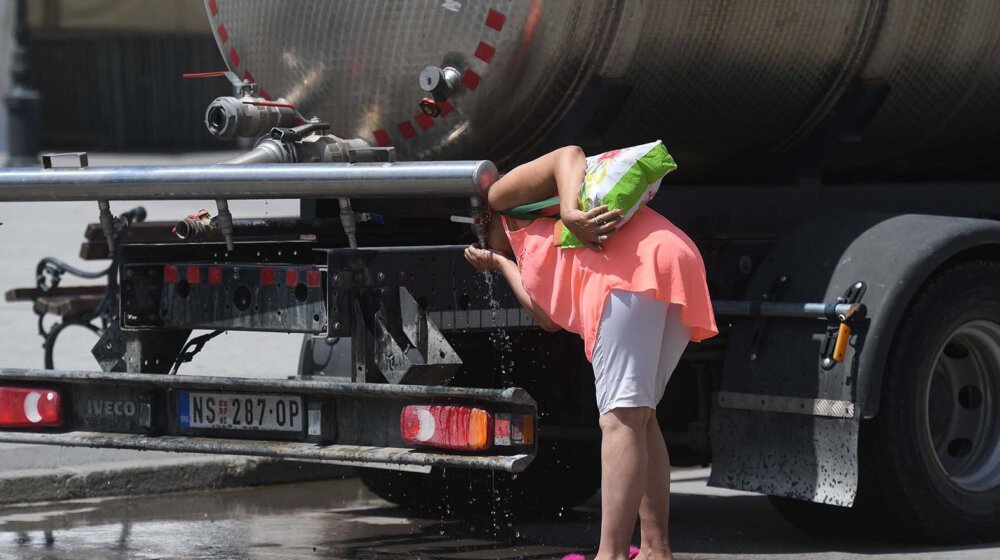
x,y
479,433
528,429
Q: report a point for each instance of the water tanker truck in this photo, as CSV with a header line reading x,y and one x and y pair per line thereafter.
x,y
837,171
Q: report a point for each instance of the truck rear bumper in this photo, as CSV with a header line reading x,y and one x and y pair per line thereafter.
x,y
358,455
351,423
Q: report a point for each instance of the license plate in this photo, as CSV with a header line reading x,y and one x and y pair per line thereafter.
x,y
226,411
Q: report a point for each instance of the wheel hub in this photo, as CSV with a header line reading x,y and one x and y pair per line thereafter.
x,y
962,415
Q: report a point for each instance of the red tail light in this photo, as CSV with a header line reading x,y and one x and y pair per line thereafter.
x,y
22,407
462,428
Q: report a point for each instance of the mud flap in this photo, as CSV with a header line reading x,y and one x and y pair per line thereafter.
x,y
785,420
789,426
793,455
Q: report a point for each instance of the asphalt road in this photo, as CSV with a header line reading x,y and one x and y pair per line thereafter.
x,y
340,519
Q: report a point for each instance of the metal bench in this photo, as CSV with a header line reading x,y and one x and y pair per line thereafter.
x,y
91,307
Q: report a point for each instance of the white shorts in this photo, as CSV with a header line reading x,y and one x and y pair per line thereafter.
x,y
639,342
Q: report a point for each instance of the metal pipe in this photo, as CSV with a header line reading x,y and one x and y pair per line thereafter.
x,y
267,150
830,311
259,181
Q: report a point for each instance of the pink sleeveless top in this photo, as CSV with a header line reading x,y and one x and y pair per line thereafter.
x,y
648,254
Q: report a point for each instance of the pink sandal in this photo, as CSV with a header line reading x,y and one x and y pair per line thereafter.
x,y
633,551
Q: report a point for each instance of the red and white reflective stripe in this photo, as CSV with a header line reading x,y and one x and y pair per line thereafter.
x,y
26,407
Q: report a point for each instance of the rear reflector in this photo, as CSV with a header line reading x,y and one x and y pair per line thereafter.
x,y
463,428
267,276
170,274
215,275
22,407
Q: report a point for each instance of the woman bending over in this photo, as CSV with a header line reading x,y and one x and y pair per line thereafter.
x,y
637,295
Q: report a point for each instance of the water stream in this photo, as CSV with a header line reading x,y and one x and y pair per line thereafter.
x,y
500,510
499,337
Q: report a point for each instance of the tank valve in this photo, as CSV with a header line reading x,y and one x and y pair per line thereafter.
x,y
441,83
194,225
229,117
430,107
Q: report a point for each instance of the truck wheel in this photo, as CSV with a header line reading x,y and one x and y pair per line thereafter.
x,y
933,451
820,519
930,460
562,476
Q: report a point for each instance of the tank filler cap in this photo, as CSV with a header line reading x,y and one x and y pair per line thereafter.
x,y
440,82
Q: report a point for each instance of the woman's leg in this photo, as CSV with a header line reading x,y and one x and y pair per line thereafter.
x,y
655,508
626,357
623,474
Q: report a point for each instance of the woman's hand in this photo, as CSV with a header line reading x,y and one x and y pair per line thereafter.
x,y
593,227
483,259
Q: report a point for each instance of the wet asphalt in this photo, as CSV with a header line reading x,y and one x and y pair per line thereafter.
x,y
340,519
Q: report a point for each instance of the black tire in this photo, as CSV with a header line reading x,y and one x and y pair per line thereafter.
x,y
905,489
821,519
562,476
905,484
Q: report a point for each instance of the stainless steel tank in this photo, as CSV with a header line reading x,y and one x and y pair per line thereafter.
x,y
726,84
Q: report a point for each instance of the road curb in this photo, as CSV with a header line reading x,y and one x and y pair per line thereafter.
x,y
134,478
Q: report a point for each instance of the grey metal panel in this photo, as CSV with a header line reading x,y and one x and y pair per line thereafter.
x,y
447,319
827,473
487,319
723,82
788,405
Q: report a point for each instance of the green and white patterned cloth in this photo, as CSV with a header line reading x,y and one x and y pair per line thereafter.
x,y
623,180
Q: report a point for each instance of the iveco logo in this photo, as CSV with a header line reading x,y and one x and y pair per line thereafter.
x,y
98,407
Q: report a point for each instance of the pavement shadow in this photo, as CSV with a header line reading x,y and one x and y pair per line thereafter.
x,y
340,519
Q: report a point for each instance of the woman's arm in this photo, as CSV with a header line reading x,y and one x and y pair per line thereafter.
x,y
484,260
559,172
